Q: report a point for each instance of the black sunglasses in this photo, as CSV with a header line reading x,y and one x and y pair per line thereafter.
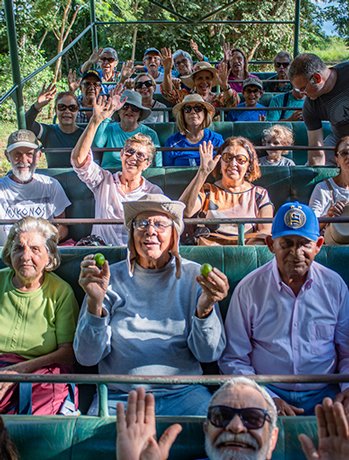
x,y
283,64
110,60
132,107
196,108
140,84
253,418
72,107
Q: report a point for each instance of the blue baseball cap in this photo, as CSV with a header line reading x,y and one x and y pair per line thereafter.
x,y
294,218
151,50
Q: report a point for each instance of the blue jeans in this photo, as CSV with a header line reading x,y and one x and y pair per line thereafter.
x,y
189,400
306,400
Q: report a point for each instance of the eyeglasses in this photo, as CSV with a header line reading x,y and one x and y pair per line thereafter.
x,y
140,84
87,84
132,107
251,91
160,226
183,61
72,107
343,153
196,108
240,159
140,156
253,418
110,60
304,89
282,64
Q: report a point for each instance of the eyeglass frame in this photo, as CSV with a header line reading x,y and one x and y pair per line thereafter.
x,y
340,153
196,108
133,108
155,224
64,107
283,64
234,157
183,61
304,90
248,90
87,84
147,84
239,412
110,59
129,152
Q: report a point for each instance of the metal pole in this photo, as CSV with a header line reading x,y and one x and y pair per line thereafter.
x,y
16,73
94,35
297,20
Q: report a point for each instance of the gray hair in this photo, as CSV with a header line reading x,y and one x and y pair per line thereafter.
x,y
44,228
244,381
306,64
111,51
281,55
182,53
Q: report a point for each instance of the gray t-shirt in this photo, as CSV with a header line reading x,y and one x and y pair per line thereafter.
x,y
263,161
333,106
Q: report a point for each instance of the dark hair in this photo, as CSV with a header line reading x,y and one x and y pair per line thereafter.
x,y
8,449
341,140
62,94
306,64
253,172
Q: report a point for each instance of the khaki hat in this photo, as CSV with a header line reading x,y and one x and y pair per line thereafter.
x,y
134,98
157,203
336,233
188,80
22,138
252,81
191,99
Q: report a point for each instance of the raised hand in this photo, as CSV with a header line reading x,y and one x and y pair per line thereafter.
x,y
167,61
222,75
115,95
226,52
46,95
93,280
127,70
73,81
336,209
215,287
207,162
194,46
333,433
96,54
136,430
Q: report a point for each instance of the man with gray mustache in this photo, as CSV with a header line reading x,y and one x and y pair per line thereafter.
x,y
23,192
240,425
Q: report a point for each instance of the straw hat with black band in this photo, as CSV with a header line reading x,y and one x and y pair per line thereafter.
x,y
193,99
188,80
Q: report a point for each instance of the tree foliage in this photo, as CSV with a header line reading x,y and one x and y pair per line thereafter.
x,y
338,13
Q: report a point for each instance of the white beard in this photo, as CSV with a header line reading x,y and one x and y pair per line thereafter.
x,y
23,176
215,453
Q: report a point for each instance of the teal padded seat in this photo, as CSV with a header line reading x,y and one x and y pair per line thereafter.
x,y
224,128
163,130
277,181
304,179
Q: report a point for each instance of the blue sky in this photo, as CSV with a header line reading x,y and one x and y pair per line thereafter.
x,y
327,26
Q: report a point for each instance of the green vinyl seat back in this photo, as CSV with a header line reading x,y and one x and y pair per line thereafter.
x,y
85,438
304,179
163,130
300,135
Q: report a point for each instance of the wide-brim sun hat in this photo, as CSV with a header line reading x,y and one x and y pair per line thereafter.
x,y
134,98
193,99
337,233
188,80
154,202
294,218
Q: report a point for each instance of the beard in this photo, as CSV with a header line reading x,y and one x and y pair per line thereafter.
x,y
216,453
23,176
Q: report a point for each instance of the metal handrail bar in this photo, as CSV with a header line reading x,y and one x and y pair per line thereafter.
x,y
8,94
221,109
169,22
191,221
170,380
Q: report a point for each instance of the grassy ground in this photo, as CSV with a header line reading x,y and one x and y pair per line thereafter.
x,y
6,128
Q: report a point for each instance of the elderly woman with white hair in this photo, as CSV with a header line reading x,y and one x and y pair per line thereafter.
x,y
152,314
37,316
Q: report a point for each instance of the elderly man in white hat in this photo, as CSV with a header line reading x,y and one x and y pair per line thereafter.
x,y
152,314
112,134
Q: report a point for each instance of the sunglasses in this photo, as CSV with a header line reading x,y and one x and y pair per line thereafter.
x,y
253,418
72,107
132,107
282,64
160,226
140,156
196,108
240,159
87,84
251,91
140,84
104,59
343,153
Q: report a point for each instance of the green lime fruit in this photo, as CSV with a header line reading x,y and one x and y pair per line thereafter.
x,y
205,269
99,259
